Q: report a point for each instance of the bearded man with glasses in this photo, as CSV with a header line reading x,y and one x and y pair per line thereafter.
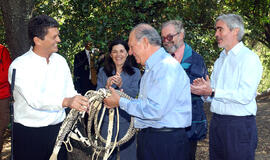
x,y
173,34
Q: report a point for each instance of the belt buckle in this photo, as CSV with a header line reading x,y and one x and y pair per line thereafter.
x,y
138,129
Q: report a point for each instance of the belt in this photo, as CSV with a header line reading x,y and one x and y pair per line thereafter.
x,y
229,117
150,129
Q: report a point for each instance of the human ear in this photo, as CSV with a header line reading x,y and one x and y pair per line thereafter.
x,y
235,31
181,34
145,42
37,41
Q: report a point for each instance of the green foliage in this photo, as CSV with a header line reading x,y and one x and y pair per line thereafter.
x,y
2,30
264,54
256,16
102,21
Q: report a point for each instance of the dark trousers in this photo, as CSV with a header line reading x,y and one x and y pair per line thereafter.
x,y
232,137
162,145
4,119
36,143
192,149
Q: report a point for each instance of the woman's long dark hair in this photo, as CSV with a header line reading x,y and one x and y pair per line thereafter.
x,y
109,65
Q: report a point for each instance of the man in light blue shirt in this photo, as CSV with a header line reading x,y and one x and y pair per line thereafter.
x,y
163,108
234,81
172,35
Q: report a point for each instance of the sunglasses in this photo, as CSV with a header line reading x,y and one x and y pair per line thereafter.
x,y
169,37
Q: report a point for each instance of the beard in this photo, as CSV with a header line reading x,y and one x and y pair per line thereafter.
x,y
171,48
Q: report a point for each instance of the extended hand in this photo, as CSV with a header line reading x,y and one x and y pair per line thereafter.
x,y
113,100
77,102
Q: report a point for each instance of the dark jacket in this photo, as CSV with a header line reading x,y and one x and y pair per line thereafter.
x,y
82,82
195,67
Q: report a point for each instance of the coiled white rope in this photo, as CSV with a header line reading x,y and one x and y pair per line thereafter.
x,y
99,144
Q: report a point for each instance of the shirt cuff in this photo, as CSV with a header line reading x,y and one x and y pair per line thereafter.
x,y
62,99
123,102
208,99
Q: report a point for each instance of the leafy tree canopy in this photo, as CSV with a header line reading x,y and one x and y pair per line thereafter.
x,y
102,21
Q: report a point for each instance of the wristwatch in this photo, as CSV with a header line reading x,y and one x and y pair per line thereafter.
x,y
213,93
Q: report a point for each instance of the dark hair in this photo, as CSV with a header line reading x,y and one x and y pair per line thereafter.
x,y
109,65
38,27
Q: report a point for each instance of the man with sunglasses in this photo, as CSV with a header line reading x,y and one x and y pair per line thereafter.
x,y
173,34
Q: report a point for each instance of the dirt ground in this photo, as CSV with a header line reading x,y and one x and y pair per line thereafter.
x,y
263,124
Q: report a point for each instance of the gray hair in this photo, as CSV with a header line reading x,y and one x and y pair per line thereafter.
x,y
146,30
178,25
233,21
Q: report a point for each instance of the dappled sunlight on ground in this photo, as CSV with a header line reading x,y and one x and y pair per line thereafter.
x,y
263,124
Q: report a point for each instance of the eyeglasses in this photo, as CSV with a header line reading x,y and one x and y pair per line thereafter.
x,y
169,37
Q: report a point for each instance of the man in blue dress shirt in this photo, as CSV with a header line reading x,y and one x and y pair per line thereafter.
x,y
163,108
172,34
234,81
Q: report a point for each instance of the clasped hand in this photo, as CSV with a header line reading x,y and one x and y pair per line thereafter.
x,y
201,86
116,79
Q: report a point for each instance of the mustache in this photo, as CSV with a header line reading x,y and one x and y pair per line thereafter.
x,y
218,38
166,43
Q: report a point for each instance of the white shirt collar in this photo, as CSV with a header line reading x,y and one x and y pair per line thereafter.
x,y
39,58
87,54
235,50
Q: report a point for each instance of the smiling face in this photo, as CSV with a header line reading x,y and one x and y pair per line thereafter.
x,y
171,45
136,49
225,37
119,54
50,41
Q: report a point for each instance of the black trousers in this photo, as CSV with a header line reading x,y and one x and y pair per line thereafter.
x,y
162,145
192,149
36,143
232,137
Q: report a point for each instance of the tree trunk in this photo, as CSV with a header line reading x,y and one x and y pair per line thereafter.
x,y
16,14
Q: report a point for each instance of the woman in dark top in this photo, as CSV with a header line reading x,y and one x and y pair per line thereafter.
x,y
119,73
